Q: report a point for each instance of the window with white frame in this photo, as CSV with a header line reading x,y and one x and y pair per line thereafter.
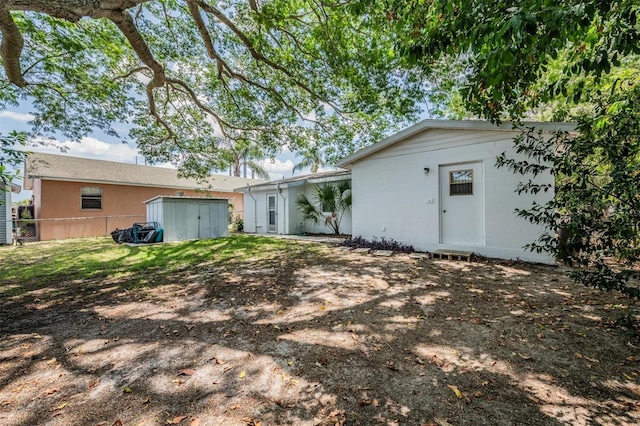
x,y
91,198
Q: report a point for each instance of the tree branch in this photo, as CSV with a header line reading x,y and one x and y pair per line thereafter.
x,y
154,113
11,48
222,123
204,33
252,50
125,24
130,73
253,5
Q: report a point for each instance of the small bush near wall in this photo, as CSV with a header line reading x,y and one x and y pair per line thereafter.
x,y
381,244
238,224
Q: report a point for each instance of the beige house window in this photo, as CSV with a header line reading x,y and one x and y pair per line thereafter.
x,y
91,198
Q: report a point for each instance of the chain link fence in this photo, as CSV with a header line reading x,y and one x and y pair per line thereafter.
x,y
27,230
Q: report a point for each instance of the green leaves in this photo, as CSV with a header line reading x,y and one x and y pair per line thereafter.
x,y
596,209
509,48
11,157
188,77
330,202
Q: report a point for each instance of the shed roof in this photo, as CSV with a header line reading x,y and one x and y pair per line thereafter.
x,y
330,176
183,197
76,169
472,125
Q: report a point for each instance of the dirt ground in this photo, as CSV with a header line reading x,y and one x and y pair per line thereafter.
x,y
321,338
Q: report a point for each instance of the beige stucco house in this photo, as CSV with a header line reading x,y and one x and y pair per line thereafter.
x,y
81,197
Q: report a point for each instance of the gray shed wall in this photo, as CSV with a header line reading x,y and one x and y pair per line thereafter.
x,y
188,219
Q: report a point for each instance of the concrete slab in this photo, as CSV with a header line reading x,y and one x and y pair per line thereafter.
x,y
452,255
385,253
344,248
362,250
419,256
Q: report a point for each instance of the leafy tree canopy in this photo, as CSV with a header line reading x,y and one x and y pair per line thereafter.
x,y
188,73
568,60
507,47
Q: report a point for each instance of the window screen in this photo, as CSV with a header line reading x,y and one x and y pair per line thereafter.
x,y
461,182
91,198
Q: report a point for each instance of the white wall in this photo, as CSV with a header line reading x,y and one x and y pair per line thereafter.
x,y
393,198
297,219
289,218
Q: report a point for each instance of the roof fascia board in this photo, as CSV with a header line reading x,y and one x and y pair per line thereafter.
x,y
105,182
349,160
329,179
272,186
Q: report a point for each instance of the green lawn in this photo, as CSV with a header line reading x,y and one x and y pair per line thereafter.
x,y
37,264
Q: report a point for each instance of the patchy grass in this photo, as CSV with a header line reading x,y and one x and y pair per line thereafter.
x,y
38,264
243,330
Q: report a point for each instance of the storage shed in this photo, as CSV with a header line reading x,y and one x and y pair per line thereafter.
x,y
189,218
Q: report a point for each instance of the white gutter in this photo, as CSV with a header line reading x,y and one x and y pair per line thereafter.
x,y
255,210
284,199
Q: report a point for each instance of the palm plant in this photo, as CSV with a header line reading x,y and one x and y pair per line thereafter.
x,y
312,158
330,202
241,155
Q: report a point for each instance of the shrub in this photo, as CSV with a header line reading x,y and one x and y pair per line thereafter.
x,y
238,224
381,244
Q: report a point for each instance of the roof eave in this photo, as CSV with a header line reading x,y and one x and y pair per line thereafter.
x,y
348,161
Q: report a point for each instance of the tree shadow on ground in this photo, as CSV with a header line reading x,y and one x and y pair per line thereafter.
x,y
304,334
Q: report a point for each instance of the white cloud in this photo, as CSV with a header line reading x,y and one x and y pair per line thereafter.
x,y
278,169
17,116
90,147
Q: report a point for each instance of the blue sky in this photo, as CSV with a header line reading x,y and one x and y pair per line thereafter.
x,y
103,147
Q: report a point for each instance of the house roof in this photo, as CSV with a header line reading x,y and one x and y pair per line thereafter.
x,y
76,169
479,125
322,177
11,187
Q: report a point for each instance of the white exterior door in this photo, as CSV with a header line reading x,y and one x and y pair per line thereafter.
x,y
462,204
272,213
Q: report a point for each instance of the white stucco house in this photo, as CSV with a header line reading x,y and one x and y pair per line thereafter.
x,y
435,186
6,224
270,208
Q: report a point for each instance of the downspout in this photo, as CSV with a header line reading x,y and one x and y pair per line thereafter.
x,y
284,200
255,210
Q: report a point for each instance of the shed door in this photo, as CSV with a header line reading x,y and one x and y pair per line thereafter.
x,y
462,204
198,221
272,213
191,221
205,221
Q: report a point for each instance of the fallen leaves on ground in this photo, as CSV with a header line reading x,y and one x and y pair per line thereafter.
x,y
455,390
59,407
186,372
